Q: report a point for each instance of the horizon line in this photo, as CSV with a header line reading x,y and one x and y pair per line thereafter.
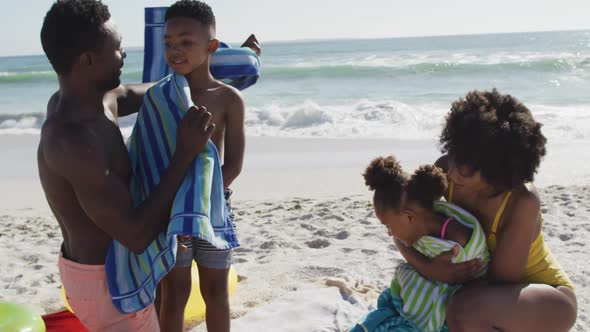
x,y
316,40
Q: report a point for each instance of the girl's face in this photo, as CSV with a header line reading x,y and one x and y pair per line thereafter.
x,y
400,225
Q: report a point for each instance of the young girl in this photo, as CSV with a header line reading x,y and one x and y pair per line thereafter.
x,y
494,147
411,210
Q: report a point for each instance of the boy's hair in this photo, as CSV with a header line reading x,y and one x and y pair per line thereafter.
x,y
495,134
194,9
386,177
70,28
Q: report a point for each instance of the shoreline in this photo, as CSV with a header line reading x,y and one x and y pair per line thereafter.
x,y
276,167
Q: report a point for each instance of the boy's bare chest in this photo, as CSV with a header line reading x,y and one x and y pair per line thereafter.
x,y
214,105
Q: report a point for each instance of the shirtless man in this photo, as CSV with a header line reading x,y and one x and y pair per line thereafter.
x,y
84,166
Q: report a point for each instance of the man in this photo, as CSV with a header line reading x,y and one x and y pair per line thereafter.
x,y
84,166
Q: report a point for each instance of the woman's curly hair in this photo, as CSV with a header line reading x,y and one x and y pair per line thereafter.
x,y
495,134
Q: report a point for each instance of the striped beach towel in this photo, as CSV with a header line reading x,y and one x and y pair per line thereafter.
x,y
388,317
414,303
238,67
199,205
425,301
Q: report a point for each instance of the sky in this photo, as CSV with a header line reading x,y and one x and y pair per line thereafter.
x,y
280,20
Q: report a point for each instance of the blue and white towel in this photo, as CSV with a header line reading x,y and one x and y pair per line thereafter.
x,y
199,206
415,303
238,67
388,317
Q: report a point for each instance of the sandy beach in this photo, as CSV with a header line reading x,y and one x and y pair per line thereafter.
x,y
303,216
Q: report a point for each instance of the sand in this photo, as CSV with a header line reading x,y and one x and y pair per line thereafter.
x,y
303,215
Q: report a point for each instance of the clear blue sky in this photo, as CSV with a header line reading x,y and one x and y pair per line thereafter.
x,y
271,20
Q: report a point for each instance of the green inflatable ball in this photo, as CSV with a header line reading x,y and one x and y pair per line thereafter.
x,y
19,318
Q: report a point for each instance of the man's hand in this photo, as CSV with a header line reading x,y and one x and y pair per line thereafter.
x,y
253,44
193,132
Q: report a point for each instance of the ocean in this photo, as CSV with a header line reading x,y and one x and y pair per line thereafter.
x,y
394,88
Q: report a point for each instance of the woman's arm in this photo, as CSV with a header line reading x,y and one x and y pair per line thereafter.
x,y
440,268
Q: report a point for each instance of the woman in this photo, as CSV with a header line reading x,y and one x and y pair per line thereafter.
x,y
493,149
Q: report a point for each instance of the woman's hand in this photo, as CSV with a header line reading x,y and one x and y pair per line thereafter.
x,y
441,268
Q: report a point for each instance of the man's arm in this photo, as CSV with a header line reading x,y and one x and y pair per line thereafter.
x,y
126,99
77,155
235,137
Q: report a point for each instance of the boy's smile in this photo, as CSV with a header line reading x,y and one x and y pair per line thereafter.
x,y
187,44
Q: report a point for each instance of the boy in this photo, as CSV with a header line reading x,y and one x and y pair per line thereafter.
x,y
189,42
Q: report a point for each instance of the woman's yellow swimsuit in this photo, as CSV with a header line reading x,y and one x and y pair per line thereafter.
x,y
541,266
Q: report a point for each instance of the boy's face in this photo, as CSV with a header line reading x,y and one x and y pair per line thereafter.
x,y
188,44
